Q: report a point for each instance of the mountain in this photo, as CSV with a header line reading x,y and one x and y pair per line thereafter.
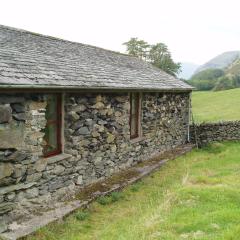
x,y
187,70
220,73
221,61
233,68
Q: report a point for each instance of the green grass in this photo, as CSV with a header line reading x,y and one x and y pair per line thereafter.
x,y
216,106
196,196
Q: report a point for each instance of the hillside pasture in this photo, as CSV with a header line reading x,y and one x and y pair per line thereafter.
x,y
216,106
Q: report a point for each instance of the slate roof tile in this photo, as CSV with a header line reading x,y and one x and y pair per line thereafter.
x,y
33,60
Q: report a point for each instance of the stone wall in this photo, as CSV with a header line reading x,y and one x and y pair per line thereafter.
x,y
98,133
208,132
96,144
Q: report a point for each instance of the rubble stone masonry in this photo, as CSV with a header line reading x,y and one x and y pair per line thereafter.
x,y
96,143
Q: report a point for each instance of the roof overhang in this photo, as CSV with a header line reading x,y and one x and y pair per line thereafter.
x,y
53,88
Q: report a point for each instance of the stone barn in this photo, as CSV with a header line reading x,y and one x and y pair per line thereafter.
x,y
73,114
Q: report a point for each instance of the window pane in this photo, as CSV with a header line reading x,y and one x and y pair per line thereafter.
x,y
52,129
133,127
51,138
51,113
134,118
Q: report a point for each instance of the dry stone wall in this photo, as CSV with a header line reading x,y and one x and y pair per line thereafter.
x,y
96,144
205,133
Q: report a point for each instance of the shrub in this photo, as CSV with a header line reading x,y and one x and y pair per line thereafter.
x,y
116,196
82,215
113,197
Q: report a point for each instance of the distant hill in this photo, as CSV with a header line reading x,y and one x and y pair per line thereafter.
x,y
221,61
187,70
220,73
234,68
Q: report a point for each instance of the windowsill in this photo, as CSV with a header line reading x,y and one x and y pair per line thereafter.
x,y
57,158
137,139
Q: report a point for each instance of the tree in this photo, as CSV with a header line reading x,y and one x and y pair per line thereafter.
x,y
160,57
157,54
137,48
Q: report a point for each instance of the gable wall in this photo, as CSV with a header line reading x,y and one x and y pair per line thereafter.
x,y
96,143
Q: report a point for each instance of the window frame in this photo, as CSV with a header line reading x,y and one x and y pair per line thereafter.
x,y
58,123
138,115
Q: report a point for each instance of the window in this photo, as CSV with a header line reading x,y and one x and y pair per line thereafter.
x,y
135,110
52,135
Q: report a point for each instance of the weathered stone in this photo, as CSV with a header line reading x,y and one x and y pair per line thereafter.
x,y
40,164
99,128
2,155
97,160
95,134
19,116
6,170
113,148
19,170
89,122
99,98
3,227
6,207
109,112
101,122
32,193
98,105
79,180
5,113
17,156
110,138
77,125
82,131
80,108
103,112
58,158
118,114
58,169
11,196
73,116
18,107
7,181
36,105
121,99
12,136
84,142
55,185
20,197
34,177
8,152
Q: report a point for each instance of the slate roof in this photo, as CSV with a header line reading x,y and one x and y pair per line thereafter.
x,y
29,60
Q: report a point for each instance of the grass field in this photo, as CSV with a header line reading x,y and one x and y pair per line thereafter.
x,y
216,106
193,197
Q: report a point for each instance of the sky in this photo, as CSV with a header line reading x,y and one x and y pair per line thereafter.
x,y
194,30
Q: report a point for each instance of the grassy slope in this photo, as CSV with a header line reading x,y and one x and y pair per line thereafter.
x,y
194,197
216,106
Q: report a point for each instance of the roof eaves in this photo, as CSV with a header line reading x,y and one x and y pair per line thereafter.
x,y
78,88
